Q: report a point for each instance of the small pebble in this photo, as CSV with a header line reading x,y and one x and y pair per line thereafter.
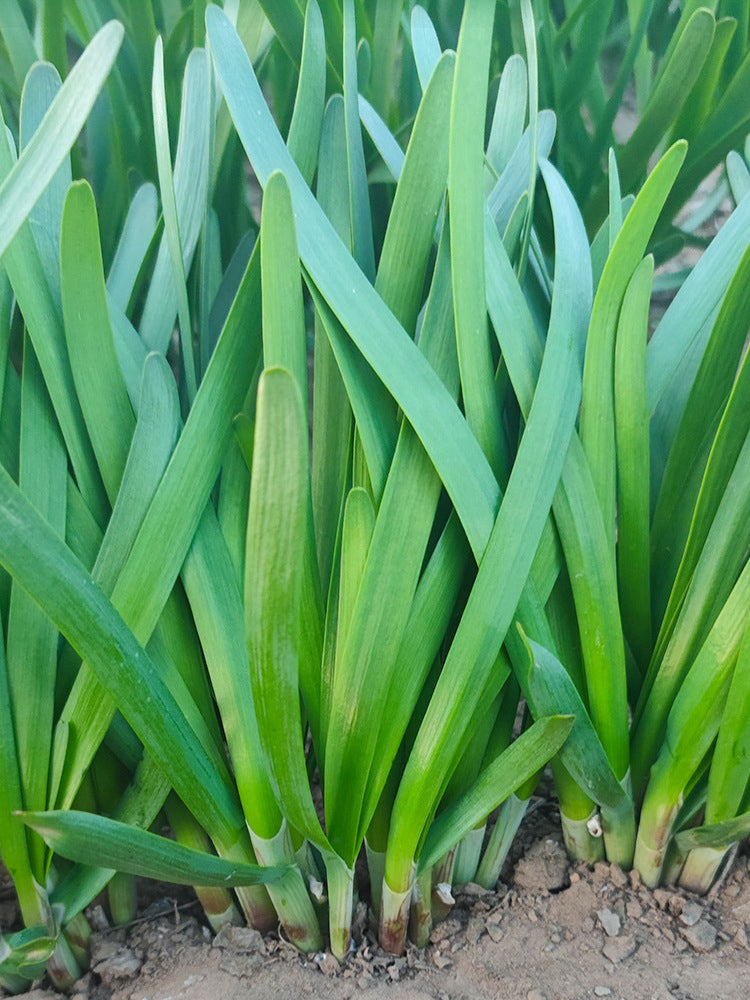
x,y
123,965
701,936
475,928
610,922
441,961
494,932
691,913
327,963
602,991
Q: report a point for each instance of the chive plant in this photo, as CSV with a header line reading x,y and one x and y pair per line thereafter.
x,y
292,613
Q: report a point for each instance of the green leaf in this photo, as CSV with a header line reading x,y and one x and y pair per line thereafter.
x,y
369,399
13,842
738,176
285,346
466,192
697,106
307,117
50,144
725,128
390,151
499,779
42,316
171,220
715,835
88,332
382,341
87,711
730,764
679,528
425,44
191,180
632,441
135,240
514,180
284,341
615,200
98,840
384,53
276,537
714,553
42,564
288,25
677,727
368,650
676,79
356,535
530,45
32,638
359,197
590,561
331,411
19,41
547,684
509,114
25,954
514,540
597,406
410,233
40,89
587,42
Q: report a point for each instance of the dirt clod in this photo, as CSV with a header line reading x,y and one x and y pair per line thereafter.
x,y
122,965
617,949
243,939
700,936
691,913
544,867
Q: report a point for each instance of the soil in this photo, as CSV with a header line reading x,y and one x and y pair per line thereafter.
x,y
552,931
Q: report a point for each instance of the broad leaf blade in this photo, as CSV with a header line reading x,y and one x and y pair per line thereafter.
x,y
91,839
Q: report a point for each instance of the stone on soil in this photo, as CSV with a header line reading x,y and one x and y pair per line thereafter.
x,y
691,913
701,936
610,922
617,949
123,965
245,939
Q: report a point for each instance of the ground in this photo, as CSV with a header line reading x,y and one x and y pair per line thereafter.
x,y
553,931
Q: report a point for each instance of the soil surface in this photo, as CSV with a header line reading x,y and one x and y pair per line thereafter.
x,y
552,931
